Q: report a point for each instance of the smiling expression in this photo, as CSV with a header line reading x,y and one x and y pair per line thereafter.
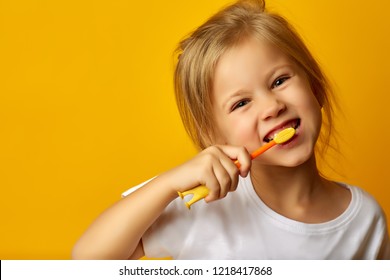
x,y
257,92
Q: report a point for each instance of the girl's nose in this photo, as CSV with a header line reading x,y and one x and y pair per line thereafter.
x,y
272,107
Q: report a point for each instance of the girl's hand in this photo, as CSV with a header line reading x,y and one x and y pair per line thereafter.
x,y
214,168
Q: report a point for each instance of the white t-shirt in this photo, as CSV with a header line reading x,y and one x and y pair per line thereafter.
x,y
241,226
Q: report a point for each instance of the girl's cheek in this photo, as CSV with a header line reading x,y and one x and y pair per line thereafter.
x,y
242,133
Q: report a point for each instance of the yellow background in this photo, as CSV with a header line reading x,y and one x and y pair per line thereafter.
x,y
87,107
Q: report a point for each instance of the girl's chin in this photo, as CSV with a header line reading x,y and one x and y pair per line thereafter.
x,y
292,160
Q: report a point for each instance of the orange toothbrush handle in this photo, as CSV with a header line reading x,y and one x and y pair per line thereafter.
x,y
259,151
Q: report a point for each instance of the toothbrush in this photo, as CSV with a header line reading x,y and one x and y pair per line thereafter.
x,y
202,191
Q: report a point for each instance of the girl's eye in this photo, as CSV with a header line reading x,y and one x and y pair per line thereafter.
x,y
279,81
240,104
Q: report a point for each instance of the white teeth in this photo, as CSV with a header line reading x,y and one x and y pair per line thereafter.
x,y
294,125
270,138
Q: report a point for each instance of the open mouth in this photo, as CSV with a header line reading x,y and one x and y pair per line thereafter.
x,y
271,135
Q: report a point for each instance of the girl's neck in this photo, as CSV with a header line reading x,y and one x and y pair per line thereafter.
x,y
298,193
301,180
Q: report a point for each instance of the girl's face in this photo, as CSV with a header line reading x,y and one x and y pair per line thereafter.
x,y
257,92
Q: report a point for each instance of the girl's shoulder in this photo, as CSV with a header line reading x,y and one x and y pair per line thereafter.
x,y
365,203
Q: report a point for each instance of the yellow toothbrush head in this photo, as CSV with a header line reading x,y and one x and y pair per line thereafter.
x,y
284,135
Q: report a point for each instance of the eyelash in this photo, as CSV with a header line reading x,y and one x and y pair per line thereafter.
x,y
240,104
275,84
281,79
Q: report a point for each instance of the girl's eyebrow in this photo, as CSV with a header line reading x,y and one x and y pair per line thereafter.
x,y
272,72
275,71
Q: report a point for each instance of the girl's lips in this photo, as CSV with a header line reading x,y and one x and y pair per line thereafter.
x,y
287,143
295,123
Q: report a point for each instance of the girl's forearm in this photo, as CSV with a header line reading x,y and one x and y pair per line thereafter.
x,y
116,233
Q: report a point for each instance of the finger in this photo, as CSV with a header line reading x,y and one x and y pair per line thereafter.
x,y
229,178
224,178
245,160
214,187
232,171
241,155
208,177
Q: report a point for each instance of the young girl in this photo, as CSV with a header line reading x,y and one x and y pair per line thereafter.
x,y
241,77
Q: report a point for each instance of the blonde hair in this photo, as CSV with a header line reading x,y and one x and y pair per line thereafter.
x,y
200,52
